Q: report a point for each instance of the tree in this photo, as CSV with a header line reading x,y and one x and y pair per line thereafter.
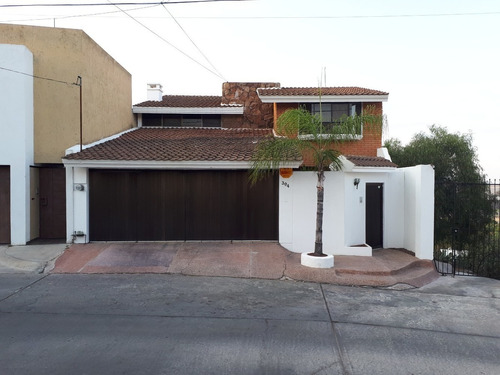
x,y
301,133
453,155
463,208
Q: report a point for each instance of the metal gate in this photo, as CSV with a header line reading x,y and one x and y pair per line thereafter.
x,y
4,204
466,228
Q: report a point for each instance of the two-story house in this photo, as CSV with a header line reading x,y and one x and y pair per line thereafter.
x,y
57,88
182,174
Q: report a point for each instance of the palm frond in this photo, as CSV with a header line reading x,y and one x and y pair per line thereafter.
x,y
271,154
300,132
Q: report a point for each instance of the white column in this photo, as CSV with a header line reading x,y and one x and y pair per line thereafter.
x,y
81,205
16,129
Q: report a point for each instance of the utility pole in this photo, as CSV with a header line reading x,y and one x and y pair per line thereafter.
x,y
79,83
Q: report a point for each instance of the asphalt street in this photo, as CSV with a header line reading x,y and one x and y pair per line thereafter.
x,y
173,324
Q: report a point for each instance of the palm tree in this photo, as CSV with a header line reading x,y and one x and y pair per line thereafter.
x,y
300,132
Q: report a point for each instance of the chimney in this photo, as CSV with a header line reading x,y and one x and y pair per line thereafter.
x,y
155,92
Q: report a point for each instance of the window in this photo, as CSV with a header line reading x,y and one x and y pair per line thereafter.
x,y
333,112
168,120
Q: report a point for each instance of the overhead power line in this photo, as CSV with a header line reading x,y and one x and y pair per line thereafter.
x,y
334,17
115,3
172,45
39,77
194,44
79,15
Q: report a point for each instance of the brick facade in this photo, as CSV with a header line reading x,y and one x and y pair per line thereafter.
x,y
367,146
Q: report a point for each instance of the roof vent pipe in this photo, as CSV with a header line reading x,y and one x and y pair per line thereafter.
x,y
155,92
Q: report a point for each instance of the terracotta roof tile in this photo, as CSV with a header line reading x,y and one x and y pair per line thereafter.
x,y
314,91
184,101
177,144
370,161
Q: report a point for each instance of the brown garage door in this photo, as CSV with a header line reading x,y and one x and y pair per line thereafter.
x,y
4,204
181,205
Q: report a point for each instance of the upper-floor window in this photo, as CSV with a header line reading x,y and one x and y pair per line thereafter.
x,y
331,113
171,120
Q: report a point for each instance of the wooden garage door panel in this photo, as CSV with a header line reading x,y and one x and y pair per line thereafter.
x,y
223,206
263,196
110,206
4,204
181,205
160,206
214,205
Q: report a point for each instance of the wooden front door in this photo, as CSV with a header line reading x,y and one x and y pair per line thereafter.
x,y
52,202
374,214
4,204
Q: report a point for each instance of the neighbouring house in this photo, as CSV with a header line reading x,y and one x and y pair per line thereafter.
x,y
40,107
182,174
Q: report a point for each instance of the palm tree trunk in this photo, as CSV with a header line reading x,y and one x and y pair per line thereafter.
x,y
318,245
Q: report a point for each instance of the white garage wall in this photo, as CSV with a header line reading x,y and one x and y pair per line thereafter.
x,y
77,205
408,204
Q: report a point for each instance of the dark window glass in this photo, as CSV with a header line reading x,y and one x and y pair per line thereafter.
x,y
211,121
191,121
151,119
332,112
338,110
172,120
169,120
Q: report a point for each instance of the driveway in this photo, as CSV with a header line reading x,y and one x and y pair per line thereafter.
x,y
264,260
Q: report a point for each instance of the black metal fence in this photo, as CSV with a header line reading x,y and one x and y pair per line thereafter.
x,y
466,228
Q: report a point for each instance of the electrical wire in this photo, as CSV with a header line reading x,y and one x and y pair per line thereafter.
x,y
79,15
333,17
194,44
172,45
107,4
39,77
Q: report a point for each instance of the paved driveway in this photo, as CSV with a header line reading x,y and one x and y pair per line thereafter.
x,y
265,260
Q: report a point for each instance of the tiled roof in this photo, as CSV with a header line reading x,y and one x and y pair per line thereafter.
x,y
370,161
177,144
314,91
184,101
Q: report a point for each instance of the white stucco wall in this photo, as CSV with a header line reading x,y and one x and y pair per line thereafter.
x,y
16,129
408,209
419,210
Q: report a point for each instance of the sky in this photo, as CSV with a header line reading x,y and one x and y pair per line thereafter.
x,y
439,60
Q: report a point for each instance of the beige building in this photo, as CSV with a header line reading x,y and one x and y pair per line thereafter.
x,y
52,124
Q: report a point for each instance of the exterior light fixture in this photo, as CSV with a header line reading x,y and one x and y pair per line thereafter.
x,y
356,182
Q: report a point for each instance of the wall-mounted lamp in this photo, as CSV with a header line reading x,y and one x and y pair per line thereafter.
x,y
356,182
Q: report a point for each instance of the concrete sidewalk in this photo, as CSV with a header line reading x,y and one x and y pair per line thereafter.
x,y
266,260
37,258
